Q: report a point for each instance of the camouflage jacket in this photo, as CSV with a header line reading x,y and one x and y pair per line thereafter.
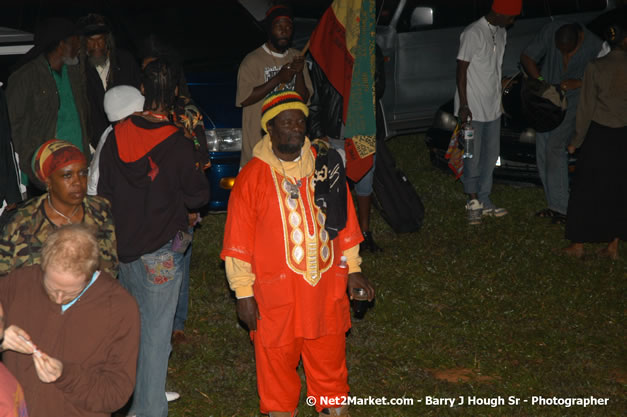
x,y
24,230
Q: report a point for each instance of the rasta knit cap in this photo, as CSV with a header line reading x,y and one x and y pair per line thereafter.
x,y
55,154
507,7
277,12
280,101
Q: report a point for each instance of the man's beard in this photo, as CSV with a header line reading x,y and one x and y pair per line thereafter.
x,y
281,48
291,148
97,61
69,61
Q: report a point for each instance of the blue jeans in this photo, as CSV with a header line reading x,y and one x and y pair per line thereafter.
x,y
477,175
154,280
182,306
552,161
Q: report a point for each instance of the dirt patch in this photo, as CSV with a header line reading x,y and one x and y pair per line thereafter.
x,y
458,375
620,376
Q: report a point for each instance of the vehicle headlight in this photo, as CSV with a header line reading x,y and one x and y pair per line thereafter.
x,y
528,136
445,121
224,140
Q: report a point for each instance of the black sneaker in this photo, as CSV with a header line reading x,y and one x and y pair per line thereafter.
x,y
368,244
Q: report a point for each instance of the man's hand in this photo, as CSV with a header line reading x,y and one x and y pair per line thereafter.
x,y
571,149
357,280
286,73
465,114
192,219
17,340
48,369
298,64
571,84
248,312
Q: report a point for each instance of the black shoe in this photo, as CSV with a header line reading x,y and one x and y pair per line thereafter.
x,y
368,244
559,218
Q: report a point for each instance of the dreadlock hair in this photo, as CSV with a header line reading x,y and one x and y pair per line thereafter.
x,y
160,79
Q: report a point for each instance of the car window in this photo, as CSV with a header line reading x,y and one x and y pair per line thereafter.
x,y
558,7
544,8
446,13
385,11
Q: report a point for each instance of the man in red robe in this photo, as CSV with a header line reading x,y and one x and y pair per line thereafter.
x,y
289,272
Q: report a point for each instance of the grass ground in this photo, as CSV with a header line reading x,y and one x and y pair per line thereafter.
x,y
487,312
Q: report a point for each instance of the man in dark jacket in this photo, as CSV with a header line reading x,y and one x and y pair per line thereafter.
x,y
105,66
9,181
150,174
46,95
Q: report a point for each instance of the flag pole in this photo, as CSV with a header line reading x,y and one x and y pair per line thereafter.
x,y
305,49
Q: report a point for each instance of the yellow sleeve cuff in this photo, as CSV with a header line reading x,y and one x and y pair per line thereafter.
x,y
240,276
244,292
353,259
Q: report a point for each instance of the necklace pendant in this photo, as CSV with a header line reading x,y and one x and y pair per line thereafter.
x,y
292,189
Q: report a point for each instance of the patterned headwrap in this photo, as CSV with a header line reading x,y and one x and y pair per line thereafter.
x,y
280,101
53,155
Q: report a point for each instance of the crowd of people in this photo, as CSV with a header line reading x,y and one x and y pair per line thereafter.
x,y
590,74
96,262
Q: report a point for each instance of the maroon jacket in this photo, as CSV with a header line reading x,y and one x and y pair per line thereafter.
x,y
96,339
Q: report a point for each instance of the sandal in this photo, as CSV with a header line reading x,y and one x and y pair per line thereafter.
x,y
547,212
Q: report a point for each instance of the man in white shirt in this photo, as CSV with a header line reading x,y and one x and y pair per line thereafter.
x,y
478,99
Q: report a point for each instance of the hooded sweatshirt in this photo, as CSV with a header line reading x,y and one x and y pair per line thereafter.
x,y
149,174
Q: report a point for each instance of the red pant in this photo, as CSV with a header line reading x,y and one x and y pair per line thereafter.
x,y
278,382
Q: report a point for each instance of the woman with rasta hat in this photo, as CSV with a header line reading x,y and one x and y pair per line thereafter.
x,y
62,168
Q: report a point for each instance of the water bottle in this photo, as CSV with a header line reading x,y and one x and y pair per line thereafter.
x,y
469,139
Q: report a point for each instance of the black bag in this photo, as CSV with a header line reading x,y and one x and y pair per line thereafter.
x,y
543,105
395,196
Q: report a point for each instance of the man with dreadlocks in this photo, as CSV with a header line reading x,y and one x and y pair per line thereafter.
x,y
272,67
149,174
105,66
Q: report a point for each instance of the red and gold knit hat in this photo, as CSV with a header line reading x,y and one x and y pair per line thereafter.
x,y
280,101
53,155
278,12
